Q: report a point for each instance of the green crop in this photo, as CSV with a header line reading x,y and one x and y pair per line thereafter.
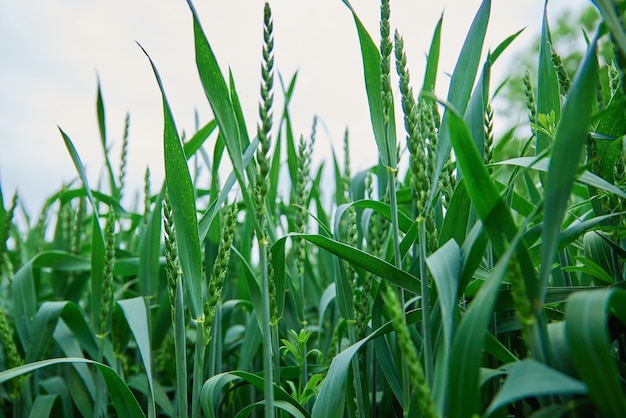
x,y
483,276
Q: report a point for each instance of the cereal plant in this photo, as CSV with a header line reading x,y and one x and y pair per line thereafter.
x,y
452,279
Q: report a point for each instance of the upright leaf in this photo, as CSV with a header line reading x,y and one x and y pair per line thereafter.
x,y
461,85
97,237
571,135
548,93
182,198
372,73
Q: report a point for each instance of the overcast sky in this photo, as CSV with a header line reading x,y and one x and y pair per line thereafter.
x,y
51,52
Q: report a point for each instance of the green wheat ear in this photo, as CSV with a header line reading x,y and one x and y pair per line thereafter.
x,y
417,379
172,265
107,283
124,156
265,110
13,357
220,268
529,96
418,164
6,229
146,193
564,80
488,125
385,53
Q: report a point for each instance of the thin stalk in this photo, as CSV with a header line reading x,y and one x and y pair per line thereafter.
x,y
99,404
263,163
426,325
180,352
395,234
198,371
267,337
275,351
357,375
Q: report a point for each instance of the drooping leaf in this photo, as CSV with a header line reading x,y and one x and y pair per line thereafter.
x,y
529,378
123,400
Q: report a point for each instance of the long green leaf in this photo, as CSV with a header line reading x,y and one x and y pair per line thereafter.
x,y
214,385
182,198
365,261
571,135
548,94
529,378
97,238
468,344
586,328
24,303
103,140
385,141
586,177
216,91
432,61
137,318
445,265
123,400
150,249
331,399
490,207
46,321
44,406
461,85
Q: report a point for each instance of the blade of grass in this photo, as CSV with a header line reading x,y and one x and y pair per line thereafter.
x,y
461,85
586,177
182,198
529,378
445,265
365,261
123,400
137,318
571,135
213,386
385,142
469,341
586,328
548,93
150,249
432,61
97,238
217,93
103,140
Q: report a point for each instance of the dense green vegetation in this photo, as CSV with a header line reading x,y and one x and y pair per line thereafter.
x,y
475,282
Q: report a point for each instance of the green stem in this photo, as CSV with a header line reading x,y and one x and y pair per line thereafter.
x,y
357,374
267,337
180,352
100,405
198,369
395,234
305,367
426,325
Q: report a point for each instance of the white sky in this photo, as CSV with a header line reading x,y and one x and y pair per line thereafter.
x,y
51,50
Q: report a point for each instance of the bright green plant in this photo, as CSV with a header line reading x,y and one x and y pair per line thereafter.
x,y
485,280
